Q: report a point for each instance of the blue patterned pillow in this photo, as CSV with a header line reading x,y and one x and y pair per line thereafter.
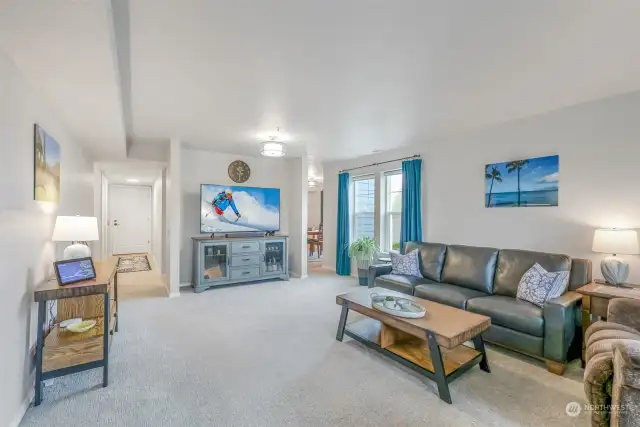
x,y
405,265
538,286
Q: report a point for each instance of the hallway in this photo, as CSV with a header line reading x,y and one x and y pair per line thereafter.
x,y
141,284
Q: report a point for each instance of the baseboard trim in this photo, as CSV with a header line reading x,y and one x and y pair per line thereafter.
x,y
185,284
174,294
24,407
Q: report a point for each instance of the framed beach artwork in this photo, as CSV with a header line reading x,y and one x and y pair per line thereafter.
x,y
46,153
522,183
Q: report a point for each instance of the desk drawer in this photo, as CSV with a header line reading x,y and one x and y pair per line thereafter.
x,y
245,273
246,260
244,247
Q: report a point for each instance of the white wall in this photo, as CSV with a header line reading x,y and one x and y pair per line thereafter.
x,y
208,167
313,214
157,220
298,169
165,238
174,215
26,226
599,148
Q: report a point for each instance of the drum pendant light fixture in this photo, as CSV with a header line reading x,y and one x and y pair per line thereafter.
x,y
273,147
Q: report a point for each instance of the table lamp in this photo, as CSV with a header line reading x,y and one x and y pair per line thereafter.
x,y
615,241
76,229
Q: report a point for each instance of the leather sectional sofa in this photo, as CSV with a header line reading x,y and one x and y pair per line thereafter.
x,y
485,281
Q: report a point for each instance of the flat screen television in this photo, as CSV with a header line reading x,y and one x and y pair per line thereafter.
x,y
233,208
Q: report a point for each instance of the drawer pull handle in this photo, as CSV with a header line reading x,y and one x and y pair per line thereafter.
x,y
245,246
246,259
246,272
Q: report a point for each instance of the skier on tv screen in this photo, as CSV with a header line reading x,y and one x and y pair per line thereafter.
x,y
222,201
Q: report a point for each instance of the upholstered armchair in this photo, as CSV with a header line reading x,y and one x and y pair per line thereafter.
x,y
612,373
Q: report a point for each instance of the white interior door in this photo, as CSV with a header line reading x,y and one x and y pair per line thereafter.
x,y
130,218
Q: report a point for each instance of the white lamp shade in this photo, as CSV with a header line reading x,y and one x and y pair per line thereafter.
x,y
615,241
75,229
273,149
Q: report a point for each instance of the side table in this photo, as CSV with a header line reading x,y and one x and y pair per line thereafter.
x,y
595,302
61,352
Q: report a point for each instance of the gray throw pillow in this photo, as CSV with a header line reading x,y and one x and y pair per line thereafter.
x,y
538,286
405,265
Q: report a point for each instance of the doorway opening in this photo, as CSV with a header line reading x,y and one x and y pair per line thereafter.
x,y
133,222
315,232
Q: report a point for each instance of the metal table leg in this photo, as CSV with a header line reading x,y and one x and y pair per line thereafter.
x,y
478,343
438,367
343,321
105,354
115,290
42,315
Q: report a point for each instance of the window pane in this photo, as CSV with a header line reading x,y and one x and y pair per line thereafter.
x,y
395,232
364,208
394,182
395,202
393,205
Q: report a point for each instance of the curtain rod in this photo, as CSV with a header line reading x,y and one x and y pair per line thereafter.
x,y
415,156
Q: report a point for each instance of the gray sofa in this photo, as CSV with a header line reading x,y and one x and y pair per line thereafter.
x,y
485,281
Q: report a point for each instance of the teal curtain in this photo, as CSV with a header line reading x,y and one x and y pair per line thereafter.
x,y
343,262
411,221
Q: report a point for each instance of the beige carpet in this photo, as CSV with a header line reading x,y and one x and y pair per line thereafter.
x,y
266,355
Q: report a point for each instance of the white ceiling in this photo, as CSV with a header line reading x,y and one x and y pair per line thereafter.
x,y
340,77
143,172
66,49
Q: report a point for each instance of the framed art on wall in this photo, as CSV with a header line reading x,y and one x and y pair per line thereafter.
x,y
522,183
46,161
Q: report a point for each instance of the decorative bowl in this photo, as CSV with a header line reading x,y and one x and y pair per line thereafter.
x,y
401,307
80,327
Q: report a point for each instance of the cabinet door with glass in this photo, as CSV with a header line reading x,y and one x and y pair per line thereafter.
x,y
275,260
214,262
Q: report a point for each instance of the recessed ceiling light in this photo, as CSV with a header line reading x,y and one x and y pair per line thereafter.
x,y
133,180
376,151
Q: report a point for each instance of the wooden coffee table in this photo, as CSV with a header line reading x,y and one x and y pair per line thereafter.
x,y
433,345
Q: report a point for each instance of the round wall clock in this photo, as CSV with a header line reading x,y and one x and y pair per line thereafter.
x,y
239,171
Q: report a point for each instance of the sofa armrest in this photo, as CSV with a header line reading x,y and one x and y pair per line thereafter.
x,y
624,311
598,378
377,270
560,325
626,363
625,393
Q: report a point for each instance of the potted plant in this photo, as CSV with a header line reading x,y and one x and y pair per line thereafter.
x,y
365,252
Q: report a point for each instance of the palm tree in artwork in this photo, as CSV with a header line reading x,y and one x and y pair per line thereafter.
x,y
494,175
517,166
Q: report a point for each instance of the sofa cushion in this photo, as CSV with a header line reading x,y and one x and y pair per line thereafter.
x,y
511,313
444,293
431,258
512,264
581,273
515,340
396,282
470,266
405,265
538,285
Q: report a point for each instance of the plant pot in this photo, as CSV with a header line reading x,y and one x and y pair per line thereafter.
x,y
363,276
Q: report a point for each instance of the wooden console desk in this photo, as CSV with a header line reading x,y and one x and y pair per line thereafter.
x,y
61,352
